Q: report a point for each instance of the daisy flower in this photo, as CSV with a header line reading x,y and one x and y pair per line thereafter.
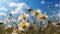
x,y
12,13
29,9
1,22
23,25
23,16
36,12
41,17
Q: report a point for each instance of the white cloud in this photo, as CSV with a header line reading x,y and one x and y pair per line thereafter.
x,y
12,4
42,2
2,14
20,7
57,5
3,9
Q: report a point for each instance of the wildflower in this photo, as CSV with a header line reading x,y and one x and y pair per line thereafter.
x,y
29,9
42,16
1,22
23,16
12,13
28,23
23,25
21,29
31,27
49,21
36,12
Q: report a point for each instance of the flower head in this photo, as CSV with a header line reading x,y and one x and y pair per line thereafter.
x,y
49,21
23,16
12,13
31,27
41,16
23,25
29,9
27,24
1,22
36,12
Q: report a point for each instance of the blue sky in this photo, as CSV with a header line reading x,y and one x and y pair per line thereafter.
x,y
34,4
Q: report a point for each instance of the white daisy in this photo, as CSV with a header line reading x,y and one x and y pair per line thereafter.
x,y
23,16
27,24
12,12
36,12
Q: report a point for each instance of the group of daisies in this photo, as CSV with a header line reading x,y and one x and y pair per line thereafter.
x,y
25,24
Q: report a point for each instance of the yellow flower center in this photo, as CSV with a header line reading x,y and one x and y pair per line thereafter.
x,y
23,16
42,17
35,12
23,26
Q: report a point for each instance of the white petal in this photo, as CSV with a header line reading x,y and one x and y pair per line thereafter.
x,y
12,4
27,24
